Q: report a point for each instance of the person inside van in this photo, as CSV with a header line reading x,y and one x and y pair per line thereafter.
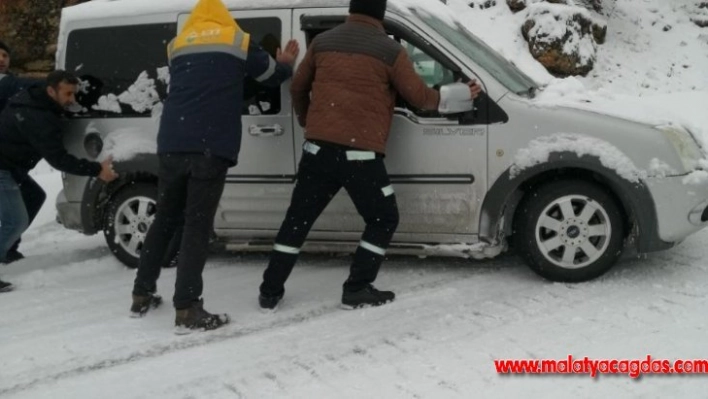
x,y
30,130
259,99
199,139
344,93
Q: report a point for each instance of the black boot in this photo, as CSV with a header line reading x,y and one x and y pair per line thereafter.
x,y
369,296
196,318
269,303
5,286
143,303
13,255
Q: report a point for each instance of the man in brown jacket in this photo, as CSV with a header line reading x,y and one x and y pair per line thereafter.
x,y
344,94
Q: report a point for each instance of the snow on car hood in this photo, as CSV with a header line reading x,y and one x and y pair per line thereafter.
x,y
686,109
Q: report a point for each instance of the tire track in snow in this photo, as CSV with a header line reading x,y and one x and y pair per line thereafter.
x,y
198,339
490,312
498,317
160,350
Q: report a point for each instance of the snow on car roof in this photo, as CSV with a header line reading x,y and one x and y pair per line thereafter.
x,y
125,8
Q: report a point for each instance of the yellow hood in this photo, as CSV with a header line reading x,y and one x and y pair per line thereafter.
x,y
210,24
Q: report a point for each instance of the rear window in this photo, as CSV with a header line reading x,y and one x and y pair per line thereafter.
x,y
123,69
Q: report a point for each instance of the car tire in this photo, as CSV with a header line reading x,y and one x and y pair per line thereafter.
x,y
569,230
129,216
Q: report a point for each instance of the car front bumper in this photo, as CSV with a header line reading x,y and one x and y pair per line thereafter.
x,y
681,207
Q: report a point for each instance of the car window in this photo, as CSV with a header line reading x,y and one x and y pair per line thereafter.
x,y
259,99
434,74
123,69
132,78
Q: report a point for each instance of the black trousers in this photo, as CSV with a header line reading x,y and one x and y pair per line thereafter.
x,y
189,190
324,169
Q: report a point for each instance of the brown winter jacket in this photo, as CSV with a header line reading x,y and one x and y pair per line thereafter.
x,y
344,91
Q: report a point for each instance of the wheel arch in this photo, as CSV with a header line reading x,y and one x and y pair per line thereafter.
x,y
633,197
97,195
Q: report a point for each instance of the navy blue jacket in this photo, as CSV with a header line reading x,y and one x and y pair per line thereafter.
x,y
11,85
202,112
30,129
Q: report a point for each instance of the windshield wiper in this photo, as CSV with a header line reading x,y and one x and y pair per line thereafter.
x,y
530,92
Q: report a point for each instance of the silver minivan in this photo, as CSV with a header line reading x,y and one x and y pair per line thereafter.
x,y
569,190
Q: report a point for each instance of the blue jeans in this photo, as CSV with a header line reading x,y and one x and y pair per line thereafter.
x,y
13,214
19,204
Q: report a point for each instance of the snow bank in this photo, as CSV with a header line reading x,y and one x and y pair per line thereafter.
x,y
643,72
499,28
651,48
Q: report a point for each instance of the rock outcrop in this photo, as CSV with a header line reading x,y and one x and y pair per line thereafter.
x,y
30,28
562,35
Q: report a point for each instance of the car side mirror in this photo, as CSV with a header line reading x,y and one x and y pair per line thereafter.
x,y
455,99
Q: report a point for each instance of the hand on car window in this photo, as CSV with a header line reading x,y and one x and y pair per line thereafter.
x,y
289,55
475,88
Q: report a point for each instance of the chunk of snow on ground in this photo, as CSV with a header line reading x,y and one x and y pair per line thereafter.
x,y
478,250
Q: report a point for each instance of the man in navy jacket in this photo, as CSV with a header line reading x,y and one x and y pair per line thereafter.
x,y
9,83
198,141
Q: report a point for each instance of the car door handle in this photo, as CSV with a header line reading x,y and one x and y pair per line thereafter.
x,y
266,130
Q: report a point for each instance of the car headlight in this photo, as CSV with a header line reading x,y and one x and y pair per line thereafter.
x,y
685,145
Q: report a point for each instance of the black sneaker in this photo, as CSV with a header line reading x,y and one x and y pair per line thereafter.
x,y
13,256
269,303
196,318
143,303
5,286
369,296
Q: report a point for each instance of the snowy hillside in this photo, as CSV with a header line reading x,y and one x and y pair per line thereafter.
x,y
65,330
652,46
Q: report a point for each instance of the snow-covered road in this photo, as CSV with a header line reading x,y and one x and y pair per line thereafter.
x,y
65,331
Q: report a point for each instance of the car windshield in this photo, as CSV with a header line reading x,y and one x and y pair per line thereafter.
x,y
499,67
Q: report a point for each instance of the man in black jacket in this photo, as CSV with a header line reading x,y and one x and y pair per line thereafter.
x,y
9,83
9,86
30,130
